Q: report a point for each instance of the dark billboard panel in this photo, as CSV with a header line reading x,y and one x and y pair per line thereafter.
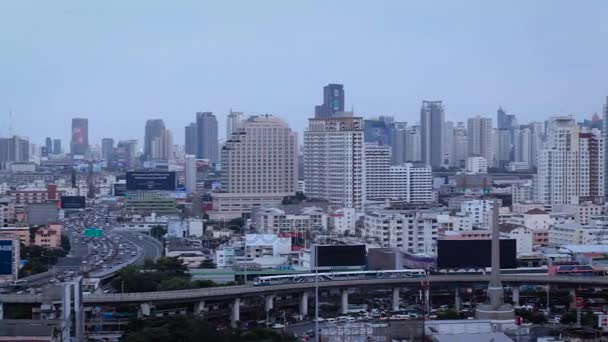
x,y
6,257
120,189
341,255
474,253
73,202
150,180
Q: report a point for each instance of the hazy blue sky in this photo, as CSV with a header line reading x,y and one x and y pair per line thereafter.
x,y
121,62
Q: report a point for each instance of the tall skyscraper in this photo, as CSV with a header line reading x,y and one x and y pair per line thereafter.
x,y
413,144
506,136
125,153
398,145
14,149
480,135
80,136
460,146
504,120
233,121
605,136
161,147
432,119
448,142
334,162
154,129
258,168
206,135
190,139
571,164
48,144
107,148
57,146
190,173
333,101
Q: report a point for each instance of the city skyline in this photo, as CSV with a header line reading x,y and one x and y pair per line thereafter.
x,y
533,78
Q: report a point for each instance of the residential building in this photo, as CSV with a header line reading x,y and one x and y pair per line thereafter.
x,y
378,131
480,211
190,173
413,144
432,130
107,148
459,146
334,165
344,220
207,137
398,143
522,193
570,168
154,130
57,146
477,165
190,143
233,122
290,222
161,147
411,230
14,149
480,135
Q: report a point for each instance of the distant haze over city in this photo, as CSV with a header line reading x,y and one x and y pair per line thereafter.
x,y
123,63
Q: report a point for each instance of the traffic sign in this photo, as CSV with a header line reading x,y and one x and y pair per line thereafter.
x,y
93,232
579,302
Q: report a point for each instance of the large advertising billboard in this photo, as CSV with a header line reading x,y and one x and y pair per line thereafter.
x,y
150,180
120,189
464,254
329,256
73,202
6,257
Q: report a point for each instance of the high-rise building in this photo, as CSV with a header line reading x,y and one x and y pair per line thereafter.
x,y
57,146
107,148
398,145
570,165
413,144
378,131
162,146
432,119
506,125
258,168
206,136
125,154
334,166
48,144
80,136
190,173
397,182
605,136
448,142
15,149
480,135
154,129
233,121
333,101
460,146
190,139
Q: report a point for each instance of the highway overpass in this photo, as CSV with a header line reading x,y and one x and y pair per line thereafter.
x,y
243,291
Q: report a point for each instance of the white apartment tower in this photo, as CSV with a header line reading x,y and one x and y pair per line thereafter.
x,y
233,121
570,165
260,158
334,166
190,172
480,136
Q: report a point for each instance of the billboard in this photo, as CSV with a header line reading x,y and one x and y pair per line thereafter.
x,y
329,256
93,232
73,202
150,180
474,253
6,257
120,189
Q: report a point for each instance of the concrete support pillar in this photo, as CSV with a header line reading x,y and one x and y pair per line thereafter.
x,y
199,307
515,295
304,304
457,300
144,308
395,299
269,302
236,312
572,298
344,302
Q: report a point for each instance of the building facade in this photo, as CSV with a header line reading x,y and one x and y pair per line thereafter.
x,y
432,117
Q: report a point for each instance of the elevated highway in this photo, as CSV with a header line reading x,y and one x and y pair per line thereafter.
x,y
244,291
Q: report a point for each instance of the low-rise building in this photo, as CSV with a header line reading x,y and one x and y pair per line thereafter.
x,y
299,219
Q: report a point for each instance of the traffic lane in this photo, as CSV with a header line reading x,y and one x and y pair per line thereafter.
x,y
150,250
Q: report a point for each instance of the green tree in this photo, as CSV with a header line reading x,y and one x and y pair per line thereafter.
x,y
175,283
449,314
207,263
65,243
158,232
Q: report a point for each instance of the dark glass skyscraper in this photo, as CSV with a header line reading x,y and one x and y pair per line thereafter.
x,y
57,146
432,119
107,148
80,136
333,101
154,129
206,137
190,142
48,143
